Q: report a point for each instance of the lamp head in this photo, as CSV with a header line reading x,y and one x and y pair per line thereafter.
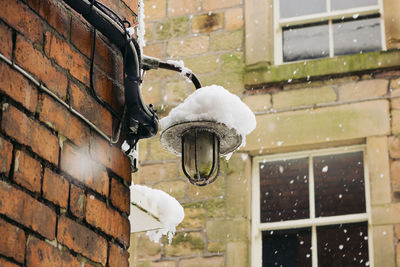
x,y
200,143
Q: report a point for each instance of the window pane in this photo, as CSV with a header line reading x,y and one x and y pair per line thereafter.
x,y
355,36
287,248
344,4
294,8
306,42
284,190
343,245
339,184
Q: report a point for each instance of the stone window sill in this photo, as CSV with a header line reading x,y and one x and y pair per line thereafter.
x,y
259,74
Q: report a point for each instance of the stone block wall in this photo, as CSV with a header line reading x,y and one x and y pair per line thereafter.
x,y
64,190
325,103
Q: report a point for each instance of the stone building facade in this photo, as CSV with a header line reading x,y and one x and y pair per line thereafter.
x,y
64,190
340,102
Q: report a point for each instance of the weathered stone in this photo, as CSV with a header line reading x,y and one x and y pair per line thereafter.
x,y
216,189
157,152
147,263
378,166
344,122
154,50
236,254
232,62
386,214
227,40
395,101
207,22
395,174
203,63
221,230
259,32
176,91
190,243
395,83
215,208
189,46
177,188
216,261
383,245
394,147
216,247
258,103
181,7
155,9
363,89
143,248
395,122
231,81
303,97
212,4
171,28
238,196
392,24
234,19
195,216
157,172
152,92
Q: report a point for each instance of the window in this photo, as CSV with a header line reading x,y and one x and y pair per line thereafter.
x,y
311,209
311,29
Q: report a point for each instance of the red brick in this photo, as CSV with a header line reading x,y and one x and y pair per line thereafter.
x,y
55,188
36,63
28,132
42,254
12,241
82,38
132,4
17,87
118,257
67,57
26,210
82,240
5,40
5,263
120,196
91,109
5,156
55,15
107,219
77,202
62,120
27,171
20,17
79,165
108,91
111,157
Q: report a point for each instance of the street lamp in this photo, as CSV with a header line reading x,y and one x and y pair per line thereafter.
x,y
200,141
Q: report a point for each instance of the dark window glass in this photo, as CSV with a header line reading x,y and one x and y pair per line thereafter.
x,y
293,8
287,248
355,36
344,4
284,190
344,245
305,42
339,184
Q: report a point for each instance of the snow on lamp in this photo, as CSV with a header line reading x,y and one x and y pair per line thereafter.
x,y
210,123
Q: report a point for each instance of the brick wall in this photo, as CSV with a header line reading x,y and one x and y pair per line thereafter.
x,y
64,190
356,106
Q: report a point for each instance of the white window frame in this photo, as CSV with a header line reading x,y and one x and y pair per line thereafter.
x,y
312,222
317,17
